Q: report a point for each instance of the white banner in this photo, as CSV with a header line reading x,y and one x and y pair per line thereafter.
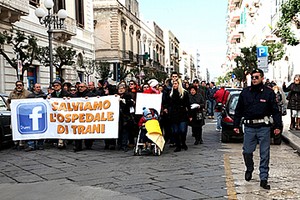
x,y
148,101
74,118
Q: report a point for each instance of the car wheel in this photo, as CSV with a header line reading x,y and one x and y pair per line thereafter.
x,y
224,138
277,140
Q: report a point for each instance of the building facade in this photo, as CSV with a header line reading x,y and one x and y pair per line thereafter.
x,y
172,57
77,32
117,34
252,22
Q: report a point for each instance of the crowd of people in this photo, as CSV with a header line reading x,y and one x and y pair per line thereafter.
x,y
183,104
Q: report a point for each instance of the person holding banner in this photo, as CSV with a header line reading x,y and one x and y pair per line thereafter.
x,y
126,120
84,93
59,93
18,93
132,90
178,107
39,144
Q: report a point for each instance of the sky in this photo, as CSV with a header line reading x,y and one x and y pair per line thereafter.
x,y
197,24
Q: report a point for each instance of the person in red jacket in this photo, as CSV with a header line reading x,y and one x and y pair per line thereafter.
x,y
221,97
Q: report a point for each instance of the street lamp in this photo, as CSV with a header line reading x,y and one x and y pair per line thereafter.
x,y
51,21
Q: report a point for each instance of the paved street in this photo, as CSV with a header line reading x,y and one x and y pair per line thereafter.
x,y
208,171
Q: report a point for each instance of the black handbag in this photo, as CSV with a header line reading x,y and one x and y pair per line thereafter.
x,y
220,105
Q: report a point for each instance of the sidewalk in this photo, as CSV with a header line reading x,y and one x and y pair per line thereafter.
x,y
292,137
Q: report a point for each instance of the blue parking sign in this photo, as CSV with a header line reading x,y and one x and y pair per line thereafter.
x,y
262,51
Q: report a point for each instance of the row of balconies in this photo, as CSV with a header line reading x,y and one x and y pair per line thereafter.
x,y
128,57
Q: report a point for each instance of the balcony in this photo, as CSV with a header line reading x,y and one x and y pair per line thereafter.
x,y
270,39
69,29
256,3
235,16
232,41
235,36
232,24
12,10
127,57
240,28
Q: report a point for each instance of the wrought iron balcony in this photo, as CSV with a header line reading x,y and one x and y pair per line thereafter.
x,y
127,56
67,31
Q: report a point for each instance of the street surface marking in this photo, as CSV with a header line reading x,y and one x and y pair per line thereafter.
x,y
229,179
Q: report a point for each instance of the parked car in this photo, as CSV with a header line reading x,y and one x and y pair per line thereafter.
x,y
5,129
228,113
230,89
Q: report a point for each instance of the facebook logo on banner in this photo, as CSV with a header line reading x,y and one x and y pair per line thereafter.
x,y
32,118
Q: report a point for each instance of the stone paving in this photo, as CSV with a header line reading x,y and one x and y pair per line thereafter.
x,y
208,171
284,176
197,173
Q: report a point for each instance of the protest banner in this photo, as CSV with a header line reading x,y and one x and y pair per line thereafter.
x,y
73,118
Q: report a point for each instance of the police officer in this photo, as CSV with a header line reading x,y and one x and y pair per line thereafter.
x,y
256,104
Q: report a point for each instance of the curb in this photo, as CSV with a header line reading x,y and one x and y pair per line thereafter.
x,y
292,140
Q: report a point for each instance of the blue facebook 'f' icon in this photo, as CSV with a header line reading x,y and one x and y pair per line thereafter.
x,y
32,118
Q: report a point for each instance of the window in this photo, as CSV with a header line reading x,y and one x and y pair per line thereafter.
x,y
79,13
59,4
34,2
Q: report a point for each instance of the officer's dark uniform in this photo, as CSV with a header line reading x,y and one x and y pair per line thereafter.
x,y
255,105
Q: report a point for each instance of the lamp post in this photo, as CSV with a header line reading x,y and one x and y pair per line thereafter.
x,y
51,21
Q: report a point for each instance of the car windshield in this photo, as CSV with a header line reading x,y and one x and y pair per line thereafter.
x,y
2,104
232,104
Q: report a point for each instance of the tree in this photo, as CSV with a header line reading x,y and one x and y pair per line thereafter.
x,y
24,49
224,79
102,68
62,56
123,73
275,51
247,61
289,10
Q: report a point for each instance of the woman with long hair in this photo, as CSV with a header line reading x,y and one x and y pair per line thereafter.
x,y
294,101
179,108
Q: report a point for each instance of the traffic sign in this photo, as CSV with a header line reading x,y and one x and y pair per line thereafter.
x,y
262,51
262,63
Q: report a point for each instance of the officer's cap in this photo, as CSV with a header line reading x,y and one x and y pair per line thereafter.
x,y
258,71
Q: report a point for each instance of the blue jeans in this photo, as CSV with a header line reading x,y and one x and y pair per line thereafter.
x,y
219,118
211,107
31,144
35,143
179,132
252,136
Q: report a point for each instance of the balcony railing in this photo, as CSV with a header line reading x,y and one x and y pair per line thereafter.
x,y
69,29
127,56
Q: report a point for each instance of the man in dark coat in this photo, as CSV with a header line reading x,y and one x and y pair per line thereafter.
x,y
59,93
256,104
83,92
36,93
